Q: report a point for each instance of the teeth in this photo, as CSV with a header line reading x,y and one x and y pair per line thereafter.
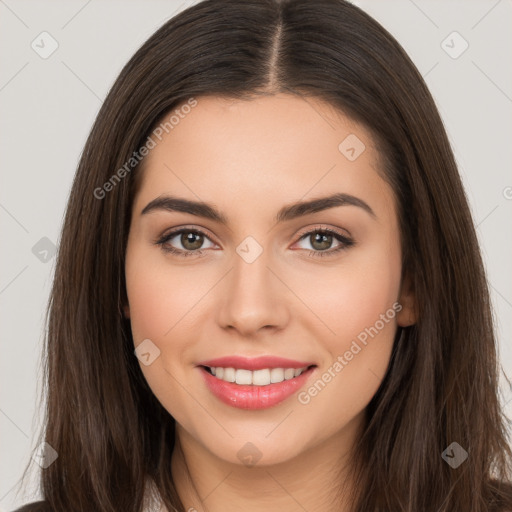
x,y
229,375
276,375
258,377
243,377
289,373
261,377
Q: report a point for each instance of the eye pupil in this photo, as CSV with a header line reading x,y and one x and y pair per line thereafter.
x,y
195,239
324,239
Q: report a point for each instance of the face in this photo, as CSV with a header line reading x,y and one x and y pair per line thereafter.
x,y
257,290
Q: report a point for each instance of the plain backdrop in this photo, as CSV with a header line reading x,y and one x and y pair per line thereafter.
x,y
48,104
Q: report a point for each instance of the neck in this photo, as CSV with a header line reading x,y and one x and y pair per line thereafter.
x,y
317,480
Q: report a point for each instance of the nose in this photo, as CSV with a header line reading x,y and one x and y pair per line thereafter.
x,y
253,299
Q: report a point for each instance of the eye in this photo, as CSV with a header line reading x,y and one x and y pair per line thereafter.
x,y
191,241
321,239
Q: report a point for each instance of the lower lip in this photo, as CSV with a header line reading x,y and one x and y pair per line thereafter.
x,y
244,396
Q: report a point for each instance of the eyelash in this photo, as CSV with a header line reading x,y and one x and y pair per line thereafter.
x,y
346,242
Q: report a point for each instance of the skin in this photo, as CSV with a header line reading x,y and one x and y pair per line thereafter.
x,y
250,158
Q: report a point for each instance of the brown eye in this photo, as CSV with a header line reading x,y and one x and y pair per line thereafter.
x,y
321,241
191,240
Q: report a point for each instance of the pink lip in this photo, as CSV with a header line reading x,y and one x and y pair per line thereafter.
x,y
254,363
245,396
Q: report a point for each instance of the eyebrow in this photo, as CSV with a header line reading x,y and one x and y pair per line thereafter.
x,y
288,212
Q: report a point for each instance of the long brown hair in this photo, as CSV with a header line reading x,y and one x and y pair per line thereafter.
x,y
109,430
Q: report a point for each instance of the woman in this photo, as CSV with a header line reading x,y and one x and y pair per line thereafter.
x,y
269,293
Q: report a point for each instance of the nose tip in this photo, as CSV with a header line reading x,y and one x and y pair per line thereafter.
x,y
252,298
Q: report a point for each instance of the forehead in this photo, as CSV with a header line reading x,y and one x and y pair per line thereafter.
x,y
280,147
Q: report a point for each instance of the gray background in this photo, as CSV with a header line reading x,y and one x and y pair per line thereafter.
x,y
47,106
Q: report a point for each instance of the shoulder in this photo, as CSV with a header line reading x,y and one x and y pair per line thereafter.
x,y
35,506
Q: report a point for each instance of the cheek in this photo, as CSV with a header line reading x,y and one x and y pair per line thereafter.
x,y
159,294
360,307
161,307
368,293
165,307
351,296
150,301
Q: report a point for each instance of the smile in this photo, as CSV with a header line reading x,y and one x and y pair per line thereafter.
x,y
258,387
257,377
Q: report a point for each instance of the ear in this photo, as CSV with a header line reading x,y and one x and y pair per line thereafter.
x,y
126,311
408,315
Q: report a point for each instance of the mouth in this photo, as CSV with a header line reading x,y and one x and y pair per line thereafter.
x,y
254,389
263,377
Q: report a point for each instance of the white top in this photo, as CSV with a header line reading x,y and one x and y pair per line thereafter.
x,y
152,499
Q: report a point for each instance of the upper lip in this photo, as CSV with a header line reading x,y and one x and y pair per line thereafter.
x,y
254,363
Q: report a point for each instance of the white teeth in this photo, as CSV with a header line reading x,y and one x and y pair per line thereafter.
x,y
261,377
229,375
243,377
257,377
288,373
276,375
